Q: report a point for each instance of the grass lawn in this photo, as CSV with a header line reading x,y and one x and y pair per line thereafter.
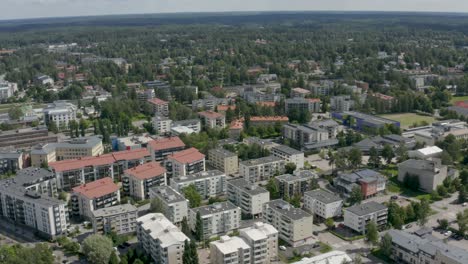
x,y
458,99
408,119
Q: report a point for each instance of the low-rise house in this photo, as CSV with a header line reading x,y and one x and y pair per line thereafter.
x,y
411,249
262,169
295,184
369,181
218,218
161,239
94,195
120,219
185,162
29,199
208,183
357,217
11,160
163,147
175,206
323,204
430,173
224,160
249,197
293,224
290,155
138,180
211,119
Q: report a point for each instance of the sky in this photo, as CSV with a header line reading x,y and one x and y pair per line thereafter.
x,y
14,9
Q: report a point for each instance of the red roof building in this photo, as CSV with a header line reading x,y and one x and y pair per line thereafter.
x,y
160,107
146,171
138,180
186,162
161,148
267,104
224,108
96,189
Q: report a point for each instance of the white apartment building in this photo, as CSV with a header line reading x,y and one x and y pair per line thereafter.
x,y
293,224
263,241
262,169
185,162
249,197
290,155
160,107
211,119
358,216
161,125
60,113
29,200
298,183
218,218
230,250
224,160
120,219
161,239
138,180
323,203
94,195
208,183
7,89
175,206
70,149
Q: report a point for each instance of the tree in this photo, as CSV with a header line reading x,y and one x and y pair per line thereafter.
x,y
401,153
423,212
410,215
199,227
387,153
372,234
290,167
357,259
113,258
190,255
272,187
296,200
443,223
386,245
156,206
185,228
330,223
15,113
355,158
462,221
97,249
191,193
374,158
356,195
462,194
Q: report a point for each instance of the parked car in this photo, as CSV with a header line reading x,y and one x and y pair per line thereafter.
x,y
315,233
282,247
394,197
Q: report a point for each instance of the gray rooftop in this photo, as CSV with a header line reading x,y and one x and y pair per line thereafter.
x,y
259,161
323,196
222,152
215,208
167,194
287,150
247,187
115,210
198,176
366,175
304,175
421,164
366,208
287,209
82,142
186,122
370,118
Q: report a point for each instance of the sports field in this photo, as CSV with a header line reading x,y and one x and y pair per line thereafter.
x,y
408,119
458,99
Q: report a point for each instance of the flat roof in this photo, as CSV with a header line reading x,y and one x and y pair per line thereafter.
x,y
215,208
160,228
370,118
247,187
168,194
115,210
323,196
366,208
198,176
287,150
264,160
297,176
222,152
288,210
97,188
227,245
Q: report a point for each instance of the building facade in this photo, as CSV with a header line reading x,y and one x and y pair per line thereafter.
x,y
290,185
323,204
430,173
138,180
120,219
262,169
358,216
249,197
175,206
210,119
228,250
369,181
224,160
163,147
263,240
290,155
208,183
160,107
218,218
185,162
60,113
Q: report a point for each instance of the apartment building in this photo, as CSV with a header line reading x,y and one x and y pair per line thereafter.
x,y
208,183
138,180
370,182
190,125
162,125
430,173
163,147
11,160
249,197
363,122
71,173
341,103
298,183
323,204
160,107
358,216
29,200
262,169
211,119
263,241
7,90
94,195
224,160
145,94
131,142
293,224
70,149
185,162
208,103
161,239
230,250
332,257
302,104
26,137
120,219
60,113
300,92
290,155
412,249
218,218
307,136
175,206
